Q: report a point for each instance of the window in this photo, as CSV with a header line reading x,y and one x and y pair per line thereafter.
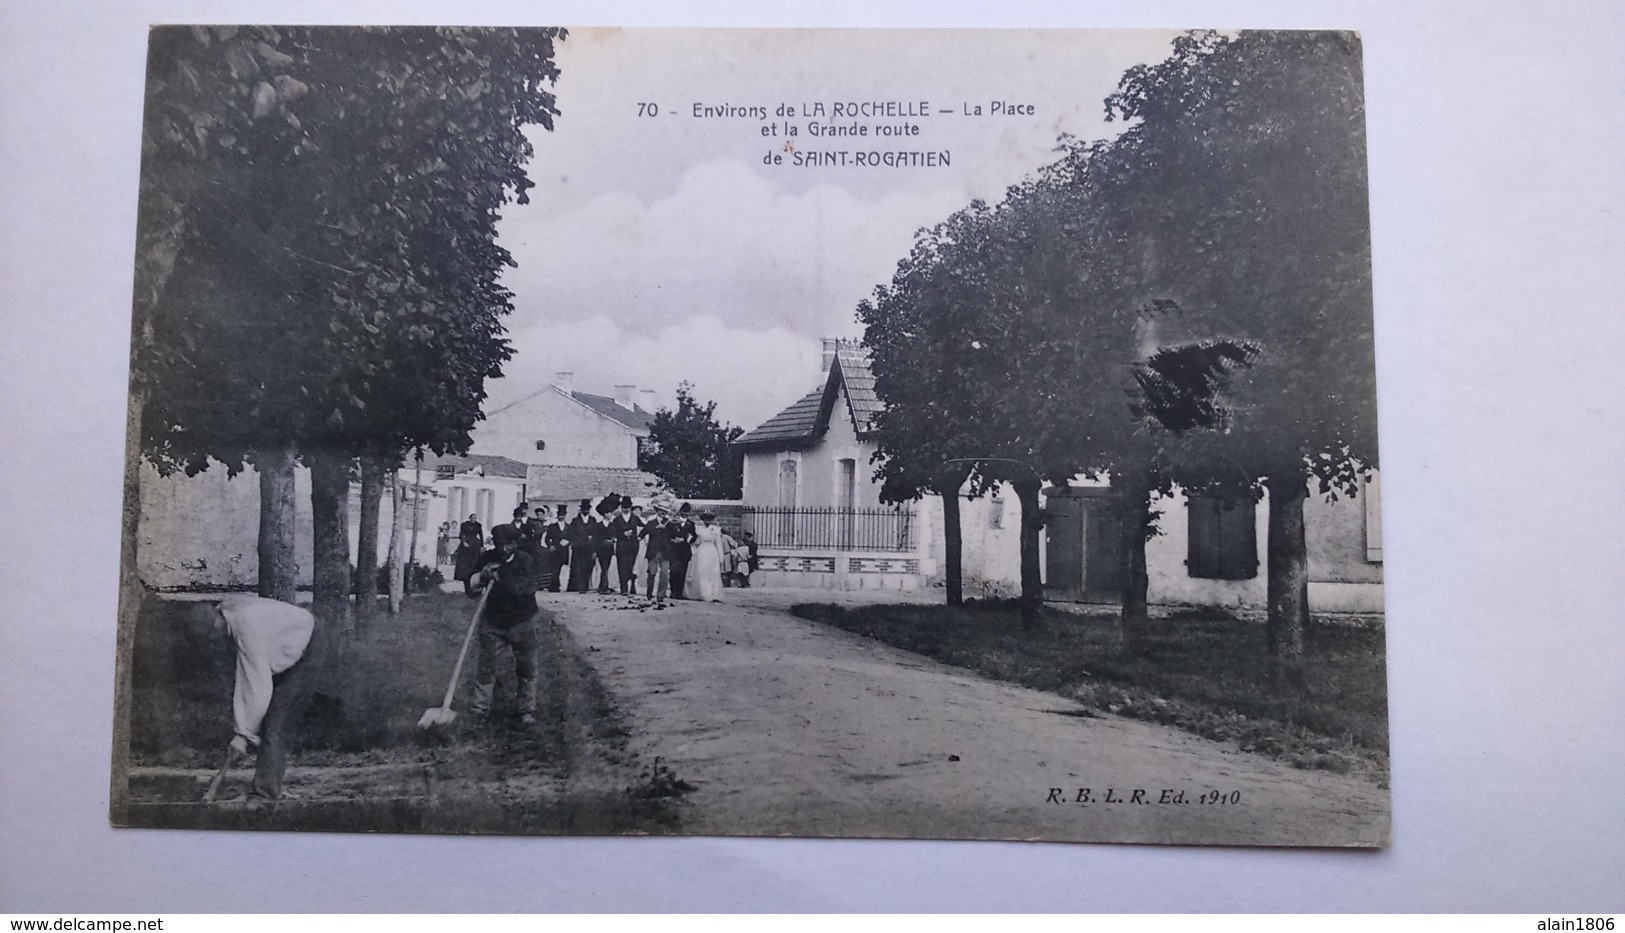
x,y
1223,539
787,484
541,445
1372,497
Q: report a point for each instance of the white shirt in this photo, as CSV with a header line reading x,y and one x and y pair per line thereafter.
x,y
271,637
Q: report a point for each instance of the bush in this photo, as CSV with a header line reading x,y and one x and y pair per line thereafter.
x,y
423,579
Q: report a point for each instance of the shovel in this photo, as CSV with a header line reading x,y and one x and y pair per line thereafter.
x,y
443,715
220,776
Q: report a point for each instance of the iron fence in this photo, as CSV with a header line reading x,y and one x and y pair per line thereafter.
x,y
881,529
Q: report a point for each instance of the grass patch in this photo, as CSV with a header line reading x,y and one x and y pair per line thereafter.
x,y
365,765
1206,672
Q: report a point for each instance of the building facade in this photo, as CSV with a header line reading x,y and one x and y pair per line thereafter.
x,y
559,426
811,496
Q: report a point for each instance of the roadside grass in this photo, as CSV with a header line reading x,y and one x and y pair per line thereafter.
x,y
1206,672
369,767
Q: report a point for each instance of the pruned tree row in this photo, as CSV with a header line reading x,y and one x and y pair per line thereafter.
x,y
317,271
1188,303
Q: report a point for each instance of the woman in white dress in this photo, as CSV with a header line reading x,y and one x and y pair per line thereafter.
x,y
705,569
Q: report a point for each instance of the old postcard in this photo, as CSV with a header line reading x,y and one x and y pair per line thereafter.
x,y
922,434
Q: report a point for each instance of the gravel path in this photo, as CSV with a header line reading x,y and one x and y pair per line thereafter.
x,y
787,727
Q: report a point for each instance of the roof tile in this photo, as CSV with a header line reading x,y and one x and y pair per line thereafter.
x,y
795,424
609,408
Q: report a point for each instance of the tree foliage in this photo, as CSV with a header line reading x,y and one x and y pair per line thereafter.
x,y
329,200
689,449
1248,196
1189,302
319,273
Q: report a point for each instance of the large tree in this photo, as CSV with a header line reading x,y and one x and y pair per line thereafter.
x,y
1246,190
984,361
925,436
335,289
692,451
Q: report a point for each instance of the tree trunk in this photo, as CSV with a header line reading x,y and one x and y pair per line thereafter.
x,y
131,595
1288,568
374,471
1135,514
1032,578
277,570
417,515
952,478
397,540
330,508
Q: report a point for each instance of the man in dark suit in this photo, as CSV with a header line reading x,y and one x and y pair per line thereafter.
x,y
623,531
682,549
531,542
583,532
658,531
603,543
556,540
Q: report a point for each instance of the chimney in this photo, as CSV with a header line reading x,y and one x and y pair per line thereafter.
x,y
647,400
563,381
625,396
831,344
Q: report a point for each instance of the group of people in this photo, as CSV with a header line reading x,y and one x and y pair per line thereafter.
x,y
681,555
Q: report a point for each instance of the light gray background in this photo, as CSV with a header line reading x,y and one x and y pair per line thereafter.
x,y
1496,175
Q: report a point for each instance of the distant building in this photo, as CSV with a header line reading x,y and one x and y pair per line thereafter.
x,y
550,447
559,426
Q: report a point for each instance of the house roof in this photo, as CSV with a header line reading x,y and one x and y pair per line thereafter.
x,y
860,389
570,484
634,417
602,405
795,424
484,464
806,420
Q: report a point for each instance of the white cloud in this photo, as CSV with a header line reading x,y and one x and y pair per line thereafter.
x,y
751,373
727,243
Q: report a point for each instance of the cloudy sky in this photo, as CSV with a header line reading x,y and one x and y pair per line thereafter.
x,y
658,247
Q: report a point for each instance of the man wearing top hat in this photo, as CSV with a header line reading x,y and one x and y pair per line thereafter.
x,y
582,534
623,530
556,540
682,549
531,540
603,544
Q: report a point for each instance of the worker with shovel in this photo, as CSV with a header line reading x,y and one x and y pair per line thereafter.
x,y
509,621
274,680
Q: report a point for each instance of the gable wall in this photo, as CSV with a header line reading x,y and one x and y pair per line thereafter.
x,y
575,435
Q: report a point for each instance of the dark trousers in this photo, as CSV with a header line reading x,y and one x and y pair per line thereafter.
x,y
626,558
522,639
557,562
659,577
679,573
604,557
290,693
580,569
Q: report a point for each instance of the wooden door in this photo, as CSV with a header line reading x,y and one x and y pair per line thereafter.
x,y
1064,549
1102,552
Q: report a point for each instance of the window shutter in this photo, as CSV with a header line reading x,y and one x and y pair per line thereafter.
x,y
1238,550
1202,520
1222,539
1372,494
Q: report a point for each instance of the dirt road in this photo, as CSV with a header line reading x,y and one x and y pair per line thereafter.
x,y
787,727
